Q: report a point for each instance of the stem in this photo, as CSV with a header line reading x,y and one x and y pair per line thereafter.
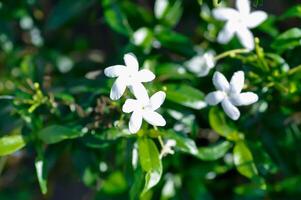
x,y
294,70
260,54
230,53
159,138
161,141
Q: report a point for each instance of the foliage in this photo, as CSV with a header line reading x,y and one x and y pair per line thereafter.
x,y
58,125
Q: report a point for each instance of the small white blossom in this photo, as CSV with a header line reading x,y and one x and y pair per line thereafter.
x,y
144,108
201,65
167,148
239,22
229,94
128,76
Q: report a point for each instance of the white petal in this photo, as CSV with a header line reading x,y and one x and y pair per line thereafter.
x,y
118,89
246,38
145,75
230,109
209,59
237,82
114,71
224,13
227,33
220,82
214,98
154,118
256,18
244,99
157,99
135,122
131,62
140,92
243,6
130,105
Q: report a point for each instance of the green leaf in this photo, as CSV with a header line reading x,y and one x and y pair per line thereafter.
x,y
167,12
103,139
185,95
66,10
172,71
187,145
294,11
243,160
219,124
183,143
214,152
287,40
41,174
150,162
137,185
56,133
11,144
115,17
115,184
174,41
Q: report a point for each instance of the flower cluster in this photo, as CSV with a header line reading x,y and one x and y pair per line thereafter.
x,y
143,107
228,94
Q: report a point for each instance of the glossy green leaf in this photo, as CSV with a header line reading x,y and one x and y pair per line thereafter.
x,y
11,144
115,17
243,160
150,161
287,40
57,133
214,152
185,95
187,145
174,41
294,11
183,143
217,120
66,10
172,71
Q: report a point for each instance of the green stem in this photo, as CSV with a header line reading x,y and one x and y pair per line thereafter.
x,y
294,70
260,54
159,138
231,53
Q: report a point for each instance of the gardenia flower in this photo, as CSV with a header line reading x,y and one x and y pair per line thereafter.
x,y
201,65
128,76
144,108
239,22
230,95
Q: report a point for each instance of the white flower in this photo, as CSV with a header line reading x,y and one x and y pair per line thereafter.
x,y
230,95
201,65
144,108
167,148
128,76
239,22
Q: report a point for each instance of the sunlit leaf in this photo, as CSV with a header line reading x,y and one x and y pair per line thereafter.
x,y
243,160
185,95
150,162
11,144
